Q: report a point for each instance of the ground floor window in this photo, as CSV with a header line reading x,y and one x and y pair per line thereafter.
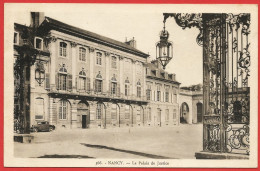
x,y
167,115
149,114
99,110
174,113
127,112
114,111
63,109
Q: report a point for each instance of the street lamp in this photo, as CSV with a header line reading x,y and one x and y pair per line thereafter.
x,y
164,49
39,73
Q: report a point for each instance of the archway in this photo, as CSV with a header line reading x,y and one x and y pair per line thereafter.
x,y
83,113
128,115
199,112
184,113
101,117
139,115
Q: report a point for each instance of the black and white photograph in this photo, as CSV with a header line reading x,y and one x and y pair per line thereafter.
x,y
130,85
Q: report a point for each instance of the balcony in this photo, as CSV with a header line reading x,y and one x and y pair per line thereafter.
x,y
91,95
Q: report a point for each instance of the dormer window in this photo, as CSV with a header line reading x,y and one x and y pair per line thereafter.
x,y
163,74
38,43
170,76
63,49
154,72
16,38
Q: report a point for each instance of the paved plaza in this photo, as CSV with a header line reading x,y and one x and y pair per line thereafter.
x,y
130,143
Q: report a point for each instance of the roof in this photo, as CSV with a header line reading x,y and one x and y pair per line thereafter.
x,y
63,27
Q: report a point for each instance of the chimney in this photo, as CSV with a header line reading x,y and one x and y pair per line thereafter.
x,y
131,42
36,19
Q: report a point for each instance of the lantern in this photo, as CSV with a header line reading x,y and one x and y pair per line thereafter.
x,y
164,48
39,73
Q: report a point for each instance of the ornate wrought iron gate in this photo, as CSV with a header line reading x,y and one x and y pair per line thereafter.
x,y
226,88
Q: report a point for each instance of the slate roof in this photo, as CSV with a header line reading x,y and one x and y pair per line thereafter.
x,y
63,27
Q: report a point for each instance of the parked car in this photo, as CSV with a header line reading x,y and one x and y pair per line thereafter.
x,y
42,126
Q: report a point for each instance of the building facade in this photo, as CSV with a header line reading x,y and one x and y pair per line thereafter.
x,y
84,80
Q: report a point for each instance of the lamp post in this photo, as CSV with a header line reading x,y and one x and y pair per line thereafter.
x,y
164,48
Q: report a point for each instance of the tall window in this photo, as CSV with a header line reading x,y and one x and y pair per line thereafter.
x,y
98,58
63,49
82,80
62,78
63,109
98,83
138,113
113,85
149,114
127,111
127,87
82,54
39,108
174,113
167,115
158,96
138,89
114,111
99,110
148,92
167,94
113,62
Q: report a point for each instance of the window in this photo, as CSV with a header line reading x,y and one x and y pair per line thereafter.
x,y
38,43
138,113
127,87
114,111
167,94
82,80
98,58
149,114
82,54
158,93
39,109
167,115
138,89
63,109
113,63
98,83
62,81
99,110
63,49
148,92
127,111
16,38
174,113
113,87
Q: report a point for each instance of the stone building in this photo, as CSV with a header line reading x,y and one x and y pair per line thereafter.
x,y
81,80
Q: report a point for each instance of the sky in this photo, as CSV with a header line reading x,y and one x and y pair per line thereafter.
x,y
144,24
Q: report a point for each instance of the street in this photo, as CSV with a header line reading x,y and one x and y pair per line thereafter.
x,y
130,143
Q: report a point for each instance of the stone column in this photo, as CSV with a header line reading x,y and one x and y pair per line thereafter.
x,y
53,52
74,63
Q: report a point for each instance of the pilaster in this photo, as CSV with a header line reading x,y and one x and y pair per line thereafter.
x,y
74,62
53,54
91,66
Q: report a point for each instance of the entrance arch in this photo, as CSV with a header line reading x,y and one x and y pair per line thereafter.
x,y
199,112
83,113
184,113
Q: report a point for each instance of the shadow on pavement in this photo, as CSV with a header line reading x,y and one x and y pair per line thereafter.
x,y
64,156
126,151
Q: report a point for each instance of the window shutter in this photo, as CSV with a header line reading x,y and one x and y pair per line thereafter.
x,y
47,81
57,81
85,84
88,84
69,82
77,83
95,85
118,90
110,87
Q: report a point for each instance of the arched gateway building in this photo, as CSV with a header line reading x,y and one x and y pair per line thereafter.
x,y
82,80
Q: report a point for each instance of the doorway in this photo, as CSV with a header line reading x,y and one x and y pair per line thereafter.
x,y
83,111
